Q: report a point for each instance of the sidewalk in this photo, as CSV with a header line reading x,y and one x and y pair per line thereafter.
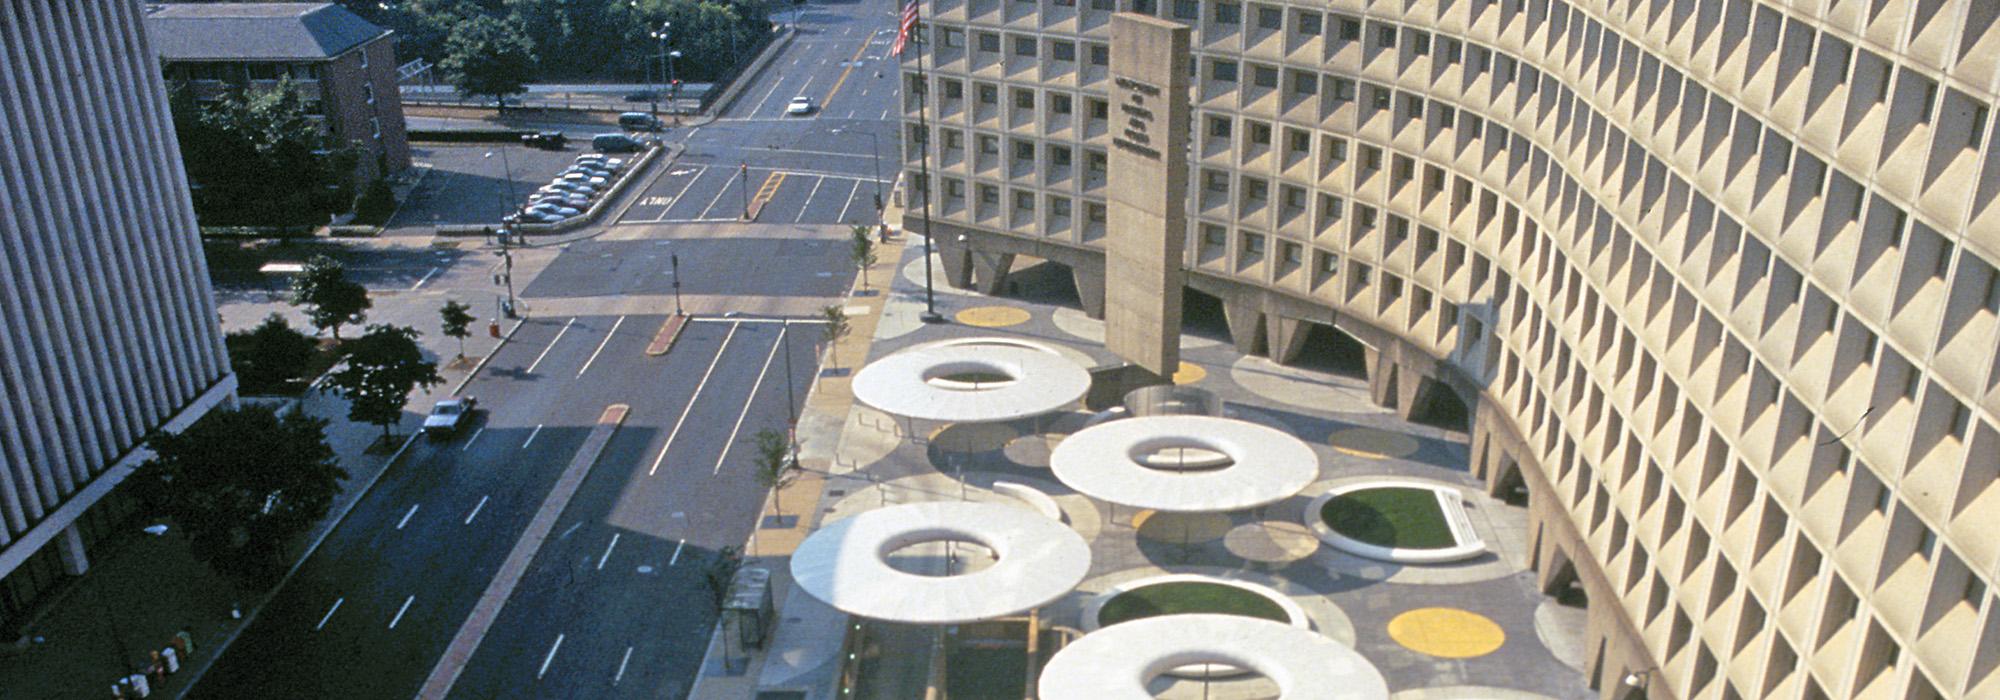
x,y
141,589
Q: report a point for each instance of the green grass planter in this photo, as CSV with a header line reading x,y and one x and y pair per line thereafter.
x,y
1399,517
1179,597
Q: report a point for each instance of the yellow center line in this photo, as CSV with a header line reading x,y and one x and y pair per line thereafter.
x,y
851,63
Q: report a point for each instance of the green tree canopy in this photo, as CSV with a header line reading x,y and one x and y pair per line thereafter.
x,y
485,55
456,319
330,299
257,158
241,483
775,466
272,357
383,367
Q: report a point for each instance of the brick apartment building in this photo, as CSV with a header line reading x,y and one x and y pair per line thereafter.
x,y
343,65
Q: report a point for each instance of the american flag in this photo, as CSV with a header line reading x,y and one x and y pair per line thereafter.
x,y
904,27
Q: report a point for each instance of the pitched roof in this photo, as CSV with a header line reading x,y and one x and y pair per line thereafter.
x,y
267,31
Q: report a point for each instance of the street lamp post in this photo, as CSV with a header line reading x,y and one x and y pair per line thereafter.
x,y
507,235
875,149
743,172
664,35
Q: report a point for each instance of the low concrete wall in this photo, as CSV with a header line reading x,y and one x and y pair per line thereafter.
x,y
603,202
749,73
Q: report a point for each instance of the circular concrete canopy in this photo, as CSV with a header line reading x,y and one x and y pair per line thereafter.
x,y
1116,663
919,383
1108,462
845,563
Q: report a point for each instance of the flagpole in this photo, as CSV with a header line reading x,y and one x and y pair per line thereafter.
x,y
930,314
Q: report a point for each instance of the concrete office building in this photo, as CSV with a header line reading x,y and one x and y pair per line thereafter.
x,y
108,328
343,66
1714,280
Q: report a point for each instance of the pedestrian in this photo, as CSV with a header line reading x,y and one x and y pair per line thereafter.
x,y
157,669
184,641
172,658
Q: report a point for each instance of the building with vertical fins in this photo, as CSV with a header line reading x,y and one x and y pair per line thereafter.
x,y
108,328
1714,284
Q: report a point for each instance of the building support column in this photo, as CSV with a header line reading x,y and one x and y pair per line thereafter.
x,y
989,272
1246,326
955,260
1382,379
1089,290
69,546
1286,337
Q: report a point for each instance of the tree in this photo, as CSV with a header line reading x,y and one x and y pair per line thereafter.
x,y
836,328
861,251
377,203
259,158
241,482
721,572
271,357
489,56
776,467
457,320
383,367
330,299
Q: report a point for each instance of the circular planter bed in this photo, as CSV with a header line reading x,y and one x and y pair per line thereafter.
x,y
1403,521
1180,594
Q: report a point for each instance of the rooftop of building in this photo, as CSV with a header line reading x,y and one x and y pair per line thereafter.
x,y
258,31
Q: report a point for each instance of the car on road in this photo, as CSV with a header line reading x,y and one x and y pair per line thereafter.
x,y
616,143
640,121
449,416
552,140
800,105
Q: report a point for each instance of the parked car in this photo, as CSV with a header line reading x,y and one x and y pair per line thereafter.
x,y
588,170
640,121
552,140
449,415
581,188
616,143
585,178
640,96
532,215
800,105
556,209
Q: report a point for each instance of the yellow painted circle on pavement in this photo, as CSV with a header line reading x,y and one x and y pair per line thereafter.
x,y
1447,633
992,316
1189,373
1373,443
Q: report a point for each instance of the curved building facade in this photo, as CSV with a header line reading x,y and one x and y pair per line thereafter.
x,y
1718,281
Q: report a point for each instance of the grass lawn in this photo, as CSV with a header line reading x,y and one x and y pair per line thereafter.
x,y
1395,516
1179,597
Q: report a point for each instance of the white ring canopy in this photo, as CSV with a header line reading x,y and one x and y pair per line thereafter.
x,y
1109,462
844,563
1116,662
1014,382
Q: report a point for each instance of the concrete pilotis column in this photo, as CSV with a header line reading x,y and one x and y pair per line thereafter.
x,y
1286,337
1382,379
69,546
1246,326
1089,290
1410,393
955,260
989,272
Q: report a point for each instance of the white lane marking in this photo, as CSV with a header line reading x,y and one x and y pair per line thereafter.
x,y
851,191
600,345
532,434
474,438
475,510
703,170
691,399
621,666
401,610
552,344
329,614
677,552
425,278
718,197
751,399
809,201
406,516
572,528
550,657
607,551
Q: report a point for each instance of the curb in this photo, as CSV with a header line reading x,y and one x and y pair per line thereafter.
x,y
251,617
670,333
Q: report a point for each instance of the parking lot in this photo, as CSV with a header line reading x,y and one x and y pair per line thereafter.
x,y
466,185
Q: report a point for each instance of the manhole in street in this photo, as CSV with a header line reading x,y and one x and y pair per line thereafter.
x,y
646,569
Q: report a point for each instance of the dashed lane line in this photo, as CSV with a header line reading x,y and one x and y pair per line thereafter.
x,y
475,438
475,510
751,399
531,435
406,516
400,611
621,666
691,399
600,346
677,552
329,614
809,200
607,551
549,658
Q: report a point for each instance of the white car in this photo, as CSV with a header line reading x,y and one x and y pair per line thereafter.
x,y
554,210
448,416
800,105
585,178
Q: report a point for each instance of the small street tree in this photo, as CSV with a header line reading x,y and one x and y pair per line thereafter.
x,y
775,467
270,358
835,328
241,483
861,251
457,320
485,55
721,571
383,367
330,299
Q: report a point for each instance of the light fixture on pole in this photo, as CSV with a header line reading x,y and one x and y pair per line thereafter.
x,y
507,236
875,149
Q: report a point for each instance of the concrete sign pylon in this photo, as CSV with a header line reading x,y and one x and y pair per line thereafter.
x,y
1147,230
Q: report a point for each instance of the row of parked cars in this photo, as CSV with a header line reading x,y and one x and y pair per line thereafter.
x,y
572,191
